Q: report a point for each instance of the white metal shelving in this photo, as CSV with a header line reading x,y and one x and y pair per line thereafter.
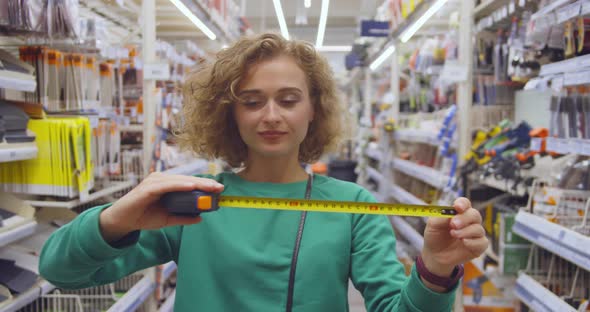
x,y
17,81
407,231
555,238
168,269
422,173
168,305
43,287
195,167
537,297
116,187
374,153
567,146
131,128
404,196
17,233
17,151
486,7
504,186
135,296
418,136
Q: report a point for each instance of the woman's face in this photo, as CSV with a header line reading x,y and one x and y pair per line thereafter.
x,y
275,109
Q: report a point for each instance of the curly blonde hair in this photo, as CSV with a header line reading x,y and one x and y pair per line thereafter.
x,y
208,127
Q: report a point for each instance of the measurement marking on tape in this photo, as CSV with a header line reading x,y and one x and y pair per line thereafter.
x,y
337,206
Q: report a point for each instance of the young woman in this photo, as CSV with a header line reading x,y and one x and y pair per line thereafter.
x,y
264,106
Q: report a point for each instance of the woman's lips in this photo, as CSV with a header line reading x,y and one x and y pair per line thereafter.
x,y
271,135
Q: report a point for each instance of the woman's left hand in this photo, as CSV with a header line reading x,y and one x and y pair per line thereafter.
x,y
451,242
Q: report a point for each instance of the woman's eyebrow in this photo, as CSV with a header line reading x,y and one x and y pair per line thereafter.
x,y
290,89
249,91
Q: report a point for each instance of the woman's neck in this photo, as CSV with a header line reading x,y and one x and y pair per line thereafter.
x,y
273,170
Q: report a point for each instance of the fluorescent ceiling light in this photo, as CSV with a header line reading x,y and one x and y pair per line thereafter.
x,y
322,27
281,18
186,12
410,31
334,48
384,56
307,4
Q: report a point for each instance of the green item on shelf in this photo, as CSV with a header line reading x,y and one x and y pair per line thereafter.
x,y
513,250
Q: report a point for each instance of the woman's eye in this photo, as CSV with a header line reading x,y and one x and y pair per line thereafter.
x,y
289,101
251,102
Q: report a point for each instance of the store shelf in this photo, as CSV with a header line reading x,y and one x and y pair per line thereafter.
x,y
135,296
131,128
503,185
417,135
17,151
408,232
375,175
550,7
198,166
537,297
575,64
404,196
555,238
116,187
411,235
420,136
168,269
17,233
17,81
168,305
374,153
395,191
487,7
569,146
422,173
43,287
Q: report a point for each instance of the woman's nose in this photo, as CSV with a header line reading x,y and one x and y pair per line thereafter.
x,y
272,112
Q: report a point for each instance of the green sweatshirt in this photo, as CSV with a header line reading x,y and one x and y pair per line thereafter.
x,y
239,259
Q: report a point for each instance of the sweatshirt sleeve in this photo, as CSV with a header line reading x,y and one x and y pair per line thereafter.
x,y
380,276
76,255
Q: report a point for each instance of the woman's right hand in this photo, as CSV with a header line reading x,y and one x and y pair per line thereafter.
x,y
140,208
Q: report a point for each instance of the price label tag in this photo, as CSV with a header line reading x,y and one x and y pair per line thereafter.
x,y
536,144
568,12
574,146
585,7
551,144
576,78
557,83
156,71
583,61
563,146
511,7
93,121
454,72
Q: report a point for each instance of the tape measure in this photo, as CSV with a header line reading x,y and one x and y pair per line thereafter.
x,y
194,203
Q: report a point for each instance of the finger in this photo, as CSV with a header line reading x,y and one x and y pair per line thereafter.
x,y
157,188
462,204
438,223
178,220
476,246
470,216
198,181
472,231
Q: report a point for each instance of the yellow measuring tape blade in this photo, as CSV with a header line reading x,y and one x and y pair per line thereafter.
x,y
336,206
